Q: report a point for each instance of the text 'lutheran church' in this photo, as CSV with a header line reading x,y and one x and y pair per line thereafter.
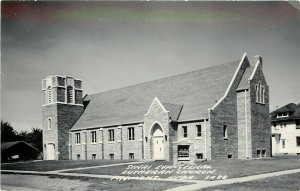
x,y
214,113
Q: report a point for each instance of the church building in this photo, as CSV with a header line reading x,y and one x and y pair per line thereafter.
x,y
221,112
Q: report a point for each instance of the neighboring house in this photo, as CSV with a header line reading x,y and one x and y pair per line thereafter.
x,y
17,150
286,130
215,113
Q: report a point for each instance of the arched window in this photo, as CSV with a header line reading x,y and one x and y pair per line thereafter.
x,y
260,93
257,93
70,97
49,95
49,124
263,95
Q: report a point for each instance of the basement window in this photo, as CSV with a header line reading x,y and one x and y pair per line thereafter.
x,y
94,156
258,154
131,156
199,155
78,157
111,156
229,156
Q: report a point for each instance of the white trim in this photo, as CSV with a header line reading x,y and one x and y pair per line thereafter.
x,y
159,103
231,82
62,103
246,123
254,71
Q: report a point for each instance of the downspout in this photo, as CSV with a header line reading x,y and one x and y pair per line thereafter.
x,y
246,121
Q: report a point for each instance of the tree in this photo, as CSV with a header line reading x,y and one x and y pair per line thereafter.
x,y
35,138
8,133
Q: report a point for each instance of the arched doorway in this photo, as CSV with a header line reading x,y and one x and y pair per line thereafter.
x,y
158,143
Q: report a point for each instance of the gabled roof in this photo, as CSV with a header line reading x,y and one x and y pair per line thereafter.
x,y
245,79
174,110
196,91
291,108
8,145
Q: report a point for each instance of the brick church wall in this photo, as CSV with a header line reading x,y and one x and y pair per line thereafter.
x,y
225,114
66,115
261,131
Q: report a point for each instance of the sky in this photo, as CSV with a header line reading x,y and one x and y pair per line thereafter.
x,y
110,45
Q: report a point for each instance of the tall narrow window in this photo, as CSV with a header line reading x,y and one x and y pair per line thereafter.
x,y
131,133
257,93
49,95
49,124
70,97
184,128
77,138
225,134
297,124
260,93
93,136
111,135
283,143
199,130
263,95
298,141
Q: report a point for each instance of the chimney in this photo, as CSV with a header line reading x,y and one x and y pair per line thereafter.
x,y
258,58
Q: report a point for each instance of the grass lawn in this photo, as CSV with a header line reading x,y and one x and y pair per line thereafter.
x,y
58,165
87,183
128,185
231,168
277,183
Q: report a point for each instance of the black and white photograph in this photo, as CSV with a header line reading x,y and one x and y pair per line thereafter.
x,y
150,95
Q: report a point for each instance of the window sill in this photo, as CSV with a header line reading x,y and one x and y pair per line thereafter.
x,y
111,142
77,144
94,143
225,138
130,141
198,138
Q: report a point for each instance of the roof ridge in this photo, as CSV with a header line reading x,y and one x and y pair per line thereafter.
x,y
203,69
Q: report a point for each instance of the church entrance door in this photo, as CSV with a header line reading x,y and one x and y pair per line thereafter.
x,y
158,145
50,152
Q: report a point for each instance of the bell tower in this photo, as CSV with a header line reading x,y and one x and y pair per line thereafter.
x,y
62,106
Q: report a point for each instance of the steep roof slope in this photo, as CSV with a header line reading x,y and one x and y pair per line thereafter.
x,y
196,91
8,145
245,79
291,108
